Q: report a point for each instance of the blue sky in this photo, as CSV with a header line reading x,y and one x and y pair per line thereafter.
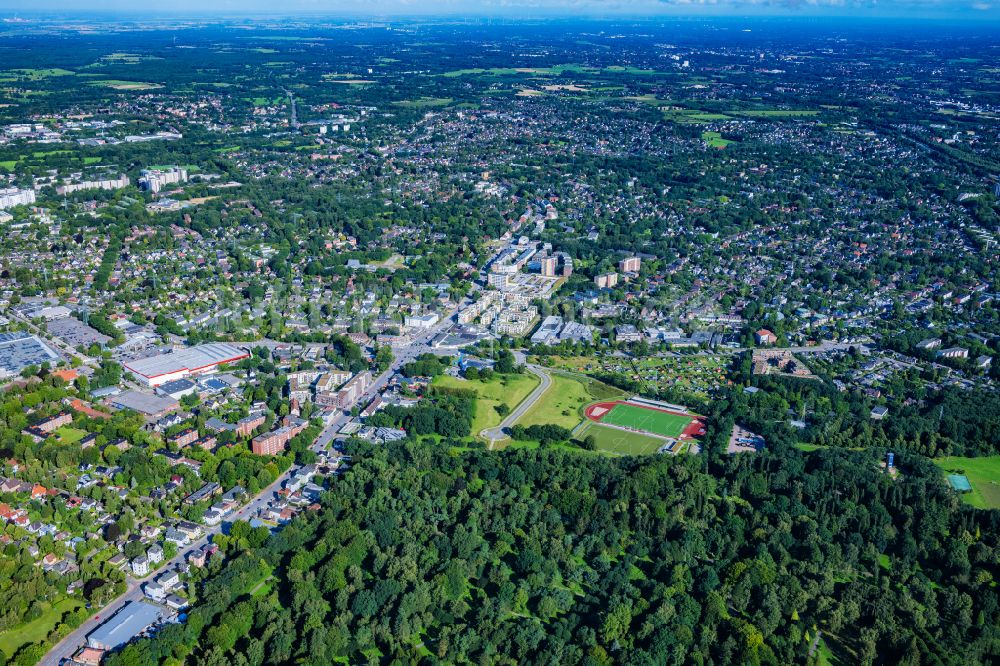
x,y
968,9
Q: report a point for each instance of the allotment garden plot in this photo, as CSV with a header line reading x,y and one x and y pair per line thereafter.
x,y
698,375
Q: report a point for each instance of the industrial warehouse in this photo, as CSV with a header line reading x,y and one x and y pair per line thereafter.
x,y
202,359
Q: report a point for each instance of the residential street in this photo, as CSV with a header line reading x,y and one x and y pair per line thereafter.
x,y
69,645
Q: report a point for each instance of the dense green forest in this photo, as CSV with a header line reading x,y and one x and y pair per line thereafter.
x,y
423,554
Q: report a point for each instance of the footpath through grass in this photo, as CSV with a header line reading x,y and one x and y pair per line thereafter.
x,y
984,475
508,389
562,404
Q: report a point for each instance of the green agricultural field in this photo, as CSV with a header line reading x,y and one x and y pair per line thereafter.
x,y
620,442
38,74
984,475
425,102
116,84
714,140
692,116
510,389
563,402
555,70
649,420
619,69
778,113
32,632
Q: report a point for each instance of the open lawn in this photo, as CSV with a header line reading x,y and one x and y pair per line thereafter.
x,y
510,389
649,420
809,448
620,442
163,167
984,475
563,402
69,435
36,630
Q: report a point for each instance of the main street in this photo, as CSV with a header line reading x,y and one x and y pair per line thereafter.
x,y
419,344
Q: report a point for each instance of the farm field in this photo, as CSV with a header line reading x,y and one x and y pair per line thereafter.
x,y
715,140
425,102
984,475
39,74
126,85
511,390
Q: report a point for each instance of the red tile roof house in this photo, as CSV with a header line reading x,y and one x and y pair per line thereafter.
x,y
80,406
6,513
765,337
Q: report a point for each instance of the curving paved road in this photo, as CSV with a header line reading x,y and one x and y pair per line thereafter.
x,y
496,434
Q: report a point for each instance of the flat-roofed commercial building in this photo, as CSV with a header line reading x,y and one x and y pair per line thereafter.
x,y
19,350
169,367
151,406
134,618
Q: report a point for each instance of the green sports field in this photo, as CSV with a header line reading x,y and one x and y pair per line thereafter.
x,y
620,442
984,475
649,420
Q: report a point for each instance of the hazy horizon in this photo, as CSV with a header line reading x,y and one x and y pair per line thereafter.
x,y
965,10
